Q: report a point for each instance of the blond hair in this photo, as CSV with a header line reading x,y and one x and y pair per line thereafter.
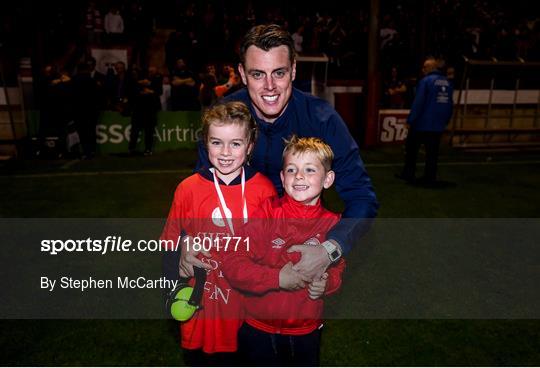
x,y
314,145
233,112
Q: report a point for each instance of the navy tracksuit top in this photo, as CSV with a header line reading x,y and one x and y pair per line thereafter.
x,y
310,116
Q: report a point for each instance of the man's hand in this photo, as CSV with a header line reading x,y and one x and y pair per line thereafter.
x,y
317,288
188,258
314,261
290,279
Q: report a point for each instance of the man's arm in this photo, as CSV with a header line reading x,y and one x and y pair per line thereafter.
x,y
177,81
355,190
245,270
245,274
313,262
419,101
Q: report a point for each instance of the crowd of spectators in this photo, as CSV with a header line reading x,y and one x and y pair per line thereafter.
x,y
205,36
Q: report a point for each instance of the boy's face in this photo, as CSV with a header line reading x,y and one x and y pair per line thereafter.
x,y
228,148
304,177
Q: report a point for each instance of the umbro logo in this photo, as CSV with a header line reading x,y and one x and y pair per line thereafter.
x,y
278,243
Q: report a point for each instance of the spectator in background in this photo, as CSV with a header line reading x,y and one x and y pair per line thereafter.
x,y
56,106
94,73
430,113
230,84
207,91
178,45
93,24
118,85
336,39
114,26
395,90
86,102
148,87
138,29
99,27
387,32
184,88
100,79
298,39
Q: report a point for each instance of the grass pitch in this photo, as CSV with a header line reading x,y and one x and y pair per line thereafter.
x,y
486,186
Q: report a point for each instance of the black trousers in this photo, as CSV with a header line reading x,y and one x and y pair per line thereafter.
x,y
431,141
259,348
86,126
146,122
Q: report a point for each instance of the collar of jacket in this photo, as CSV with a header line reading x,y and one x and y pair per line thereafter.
x,y
296,209
207,174
436,72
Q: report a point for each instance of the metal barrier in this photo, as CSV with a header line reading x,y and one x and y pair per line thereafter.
x,y
12,118
498,105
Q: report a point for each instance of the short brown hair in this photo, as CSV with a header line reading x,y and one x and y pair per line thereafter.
x,y
266,37
314,145
233,112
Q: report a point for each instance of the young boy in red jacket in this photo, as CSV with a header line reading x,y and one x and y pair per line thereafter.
x,y
283,310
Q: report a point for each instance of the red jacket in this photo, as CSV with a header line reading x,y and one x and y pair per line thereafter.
x,y
277,225
195,207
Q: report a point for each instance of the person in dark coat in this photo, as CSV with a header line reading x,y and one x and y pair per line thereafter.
x,y
430,113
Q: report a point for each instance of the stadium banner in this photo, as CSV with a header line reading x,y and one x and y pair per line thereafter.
x,y
174,130
392,127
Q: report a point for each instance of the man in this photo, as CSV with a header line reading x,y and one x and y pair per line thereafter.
x,y
268,68
184,88
430,113
145,105
86,98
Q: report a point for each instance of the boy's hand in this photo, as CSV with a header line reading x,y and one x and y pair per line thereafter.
x,y
314,261
290,279
188,258
317,288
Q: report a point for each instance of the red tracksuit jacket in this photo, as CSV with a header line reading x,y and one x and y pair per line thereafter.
x,y
277,225
194,209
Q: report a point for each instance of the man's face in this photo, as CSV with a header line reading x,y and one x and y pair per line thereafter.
x,y
429,66
425,68
180,64
120,67
268,76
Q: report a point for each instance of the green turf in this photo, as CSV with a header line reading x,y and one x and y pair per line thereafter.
x,y
487,186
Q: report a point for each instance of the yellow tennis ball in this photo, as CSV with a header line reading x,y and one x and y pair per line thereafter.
x,y
181,310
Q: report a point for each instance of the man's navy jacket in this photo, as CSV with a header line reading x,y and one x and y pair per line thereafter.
x,y
432,106
309,116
